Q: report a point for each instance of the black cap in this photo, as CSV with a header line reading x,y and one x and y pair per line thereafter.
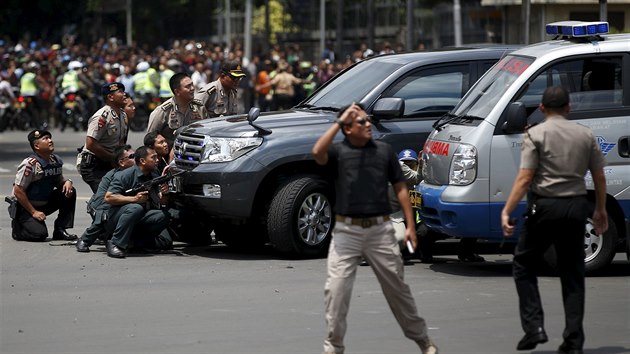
x,y
113,87
36,134
555,97
232,68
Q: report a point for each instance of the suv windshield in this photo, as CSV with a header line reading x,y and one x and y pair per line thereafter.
x,y
483,97
352,85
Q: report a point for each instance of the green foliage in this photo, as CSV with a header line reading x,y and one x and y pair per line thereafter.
x,y
279,20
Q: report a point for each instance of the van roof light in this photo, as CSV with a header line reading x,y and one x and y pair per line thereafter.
x,y
576,28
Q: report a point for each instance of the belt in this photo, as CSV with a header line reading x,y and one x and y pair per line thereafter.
x,y
363,222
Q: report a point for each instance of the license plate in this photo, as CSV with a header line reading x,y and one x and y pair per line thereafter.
x,y
416,199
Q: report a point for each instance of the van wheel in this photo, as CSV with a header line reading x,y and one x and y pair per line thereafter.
x,y
300,219
599,250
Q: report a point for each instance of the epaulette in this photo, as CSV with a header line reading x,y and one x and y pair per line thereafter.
x,y
196,102
166,106
211,90
31,160
105,113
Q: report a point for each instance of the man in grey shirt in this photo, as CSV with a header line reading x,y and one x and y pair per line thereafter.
x,y
554,159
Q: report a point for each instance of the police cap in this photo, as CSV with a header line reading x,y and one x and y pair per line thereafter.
x,y
232,68
110,88
37,134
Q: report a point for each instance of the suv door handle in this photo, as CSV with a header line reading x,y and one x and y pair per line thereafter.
x,y
624,146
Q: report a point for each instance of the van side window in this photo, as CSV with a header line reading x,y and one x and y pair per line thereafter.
x,y
593,84
431,92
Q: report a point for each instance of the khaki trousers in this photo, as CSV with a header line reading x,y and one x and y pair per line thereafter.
x,y
378,245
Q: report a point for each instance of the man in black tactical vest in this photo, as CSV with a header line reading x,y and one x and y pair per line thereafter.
x,y
39,190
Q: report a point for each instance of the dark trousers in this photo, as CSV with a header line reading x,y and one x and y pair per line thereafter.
x,y
27,228
92,171
559,222
97,228
146,228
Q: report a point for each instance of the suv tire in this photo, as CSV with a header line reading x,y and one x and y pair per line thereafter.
x,y
300,219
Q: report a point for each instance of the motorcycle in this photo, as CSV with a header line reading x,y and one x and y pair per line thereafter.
x,y
72,115
6,113
145,104
25,115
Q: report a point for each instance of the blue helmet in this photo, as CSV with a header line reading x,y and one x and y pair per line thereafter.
x,y
408,155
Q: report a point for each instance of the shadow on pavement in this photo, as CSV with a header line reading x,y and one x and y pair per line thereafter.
x,y
600,350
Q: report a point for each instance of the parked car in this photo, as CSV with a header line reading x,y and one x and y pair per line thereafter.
x,y
256,181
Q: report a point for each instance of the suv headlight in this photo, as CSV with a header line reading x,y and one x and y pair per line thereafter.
x,y
463,165
227,149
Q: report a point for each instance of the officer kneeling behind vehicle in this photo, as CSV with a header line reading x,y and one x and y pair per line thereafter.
x,y
135,214
39,190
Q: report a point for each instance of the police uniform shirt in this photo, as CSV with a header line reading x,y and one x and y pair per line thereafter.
x,y
168,117
97,201
362,174
216,100
561,152
128,179
109,129
39,177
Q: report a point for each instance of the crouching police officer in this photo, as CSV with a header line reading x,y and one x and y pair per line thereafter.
x,y
124,158
39,190
137,218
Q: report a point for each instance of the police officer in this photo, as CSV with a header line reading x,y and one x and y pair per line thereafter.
x,y
219,97
555,156
107,129
40,189
124,158
136,217
165,75
178,111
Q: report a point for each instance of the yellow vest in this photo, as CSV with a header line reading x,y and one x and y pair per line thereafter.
x,y
70,81
27,85
165,88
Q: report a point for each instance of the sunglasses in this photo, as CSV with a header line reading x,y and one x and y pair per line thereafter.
x,y
131,156
363,120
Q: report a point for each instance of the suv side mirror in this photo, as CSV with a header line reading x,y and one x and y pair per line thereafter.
x,y
252,115
388,108
516,119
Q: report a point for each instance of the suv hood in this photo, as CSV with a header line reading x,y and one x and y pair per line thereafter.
x,y
277,122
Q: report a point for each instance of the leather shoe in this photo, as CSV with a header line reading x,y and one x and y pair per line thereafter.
x,y
113,250
564,349
62,234
82,246
532,339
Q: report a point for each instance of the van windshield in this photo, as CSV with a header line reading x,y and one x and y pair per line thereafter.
x,y
485,94
352,85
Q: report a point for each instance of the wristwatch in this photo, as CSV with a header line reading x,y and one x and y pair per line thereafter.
x,y
68,180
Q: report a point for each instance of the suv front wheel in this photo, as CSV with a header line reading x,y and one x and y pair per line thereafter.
x,y
300,218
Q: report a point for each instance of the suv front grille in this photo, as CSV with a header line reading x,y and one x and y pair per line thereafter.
x,y
188,148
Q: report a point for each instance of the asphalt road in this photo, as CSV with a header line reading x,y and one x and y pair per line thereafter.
x,y
212,300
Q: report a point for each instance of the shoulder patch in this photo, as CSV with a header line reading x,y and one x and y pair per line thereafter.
x,y
101,122
166,106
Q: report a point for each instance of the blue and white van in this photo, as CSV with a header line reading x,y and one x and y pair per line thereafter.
x,y
471,158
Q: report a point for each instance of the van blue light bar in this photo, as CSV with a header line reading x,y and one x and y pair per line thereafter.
x,y
576,28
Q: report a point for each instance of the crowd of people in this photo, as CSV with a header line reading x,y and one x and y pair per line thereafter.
x,y
47,73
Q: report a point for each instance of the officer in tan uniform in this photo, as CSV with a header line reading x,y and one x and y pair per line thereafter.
x,y
39,190
219,97
555,157
178,111
107,129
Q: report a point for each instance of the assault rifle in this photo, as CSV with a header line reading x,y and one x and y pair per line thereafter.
x,y
145,186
